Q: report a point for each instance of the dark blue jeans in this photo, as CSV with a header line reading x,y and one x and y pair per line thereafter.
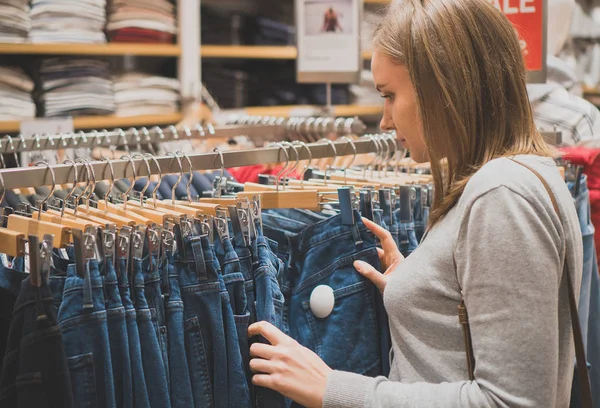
x,y
140,391
153,362
118,338
201,289
155,299
35,372
269,305
83,322
239,370
407,238
181,386
10,286
354,337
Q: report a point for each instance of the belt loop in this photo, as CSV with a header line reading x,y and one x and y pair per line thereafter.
x,y
198,251
88,298
39,304
356,235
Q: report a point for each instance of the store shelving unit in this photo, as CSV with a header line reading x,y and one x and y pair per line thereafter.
x,y
114,49
106,122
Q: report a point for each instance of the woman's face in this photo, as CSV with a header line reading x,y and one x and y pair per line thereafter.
x,y
400,111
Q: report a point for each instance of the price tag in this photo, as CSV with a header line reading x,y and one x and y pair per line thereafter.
x,y
328,36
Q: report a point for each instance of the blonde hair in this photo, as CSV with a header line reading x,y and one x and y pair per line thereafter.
x,y
465,63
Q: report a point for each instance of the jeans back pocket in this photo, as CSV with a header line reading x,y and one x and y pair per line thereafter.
x,y
83,380
348,338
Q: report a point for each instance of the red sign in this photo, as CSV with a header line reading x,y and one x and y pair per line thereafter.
x,y
528,18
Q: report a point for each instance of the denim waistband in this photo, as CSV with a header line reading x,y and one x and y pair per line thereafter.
x,y
329,229
10,280
199,260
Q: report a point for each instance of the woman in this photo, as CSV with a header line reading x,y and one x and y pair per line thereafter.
x,y
331,22
453,79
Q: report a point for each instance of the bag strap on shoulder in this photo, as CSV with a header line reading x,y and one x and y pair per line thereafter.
x,y
582,371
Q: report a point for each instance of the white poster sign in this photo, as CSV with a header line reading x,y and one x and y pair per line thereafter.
x,y
328,37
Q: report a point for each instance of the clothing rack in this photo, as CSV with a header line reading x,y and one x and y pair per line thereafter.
x,y
255,127
43,175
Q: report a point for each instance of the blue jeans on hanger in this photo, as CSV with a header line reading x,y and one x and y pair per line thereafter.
x,y
82,318
10,286
118,339
155,299
354,336
201,289
35,371
181,386
269,305
152,358
140,390
239,371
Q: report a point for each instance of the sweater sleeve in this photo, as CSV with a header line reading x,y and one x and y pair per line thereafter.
x,y
508,265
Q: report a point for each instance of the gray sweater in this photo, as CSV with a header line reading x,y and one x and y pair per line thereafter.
x,y
502,244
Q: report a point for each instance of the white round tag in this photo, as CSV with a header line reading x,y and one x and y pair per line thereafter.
x,y
322,301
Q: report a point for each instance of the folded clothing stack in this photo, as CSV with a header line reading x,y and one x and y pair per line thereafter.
x,y
16,101
68,21
142,21
15,22
75,87
228,86
138,94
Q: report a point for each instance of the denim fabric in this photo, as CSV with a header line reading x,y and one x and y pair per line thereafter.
x,y
58,275
245,258
10,285
239,370
354,336
155,299
181,386
117,335
205,343
140,391
82,319
296,215
421,227
420,215
35,372
269,305
152,359
407,238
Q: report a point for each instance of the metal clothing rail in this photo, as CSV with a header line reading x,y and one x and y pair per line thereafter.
x,y
259,128
63,173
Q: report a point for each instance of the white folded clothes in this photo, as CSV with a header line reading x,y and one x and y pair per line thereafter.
x,y
71,36
137,80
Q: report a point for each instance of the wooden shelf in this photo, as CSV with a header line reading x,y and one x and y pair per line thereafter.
x,y
254,52
309,110
111,49
248,52
106,122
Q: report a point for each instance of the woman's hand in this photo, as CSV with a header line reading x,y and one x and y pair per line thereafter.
x,y
389,256
287,367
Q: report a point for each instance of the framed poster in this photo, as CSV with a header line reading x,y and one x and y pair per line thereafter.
x,y
328,40
530,19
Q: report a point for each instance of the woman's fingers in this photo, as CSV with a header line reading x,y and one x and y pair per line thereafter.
x,y
259,365
268,331
385,237
261,350
371,274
